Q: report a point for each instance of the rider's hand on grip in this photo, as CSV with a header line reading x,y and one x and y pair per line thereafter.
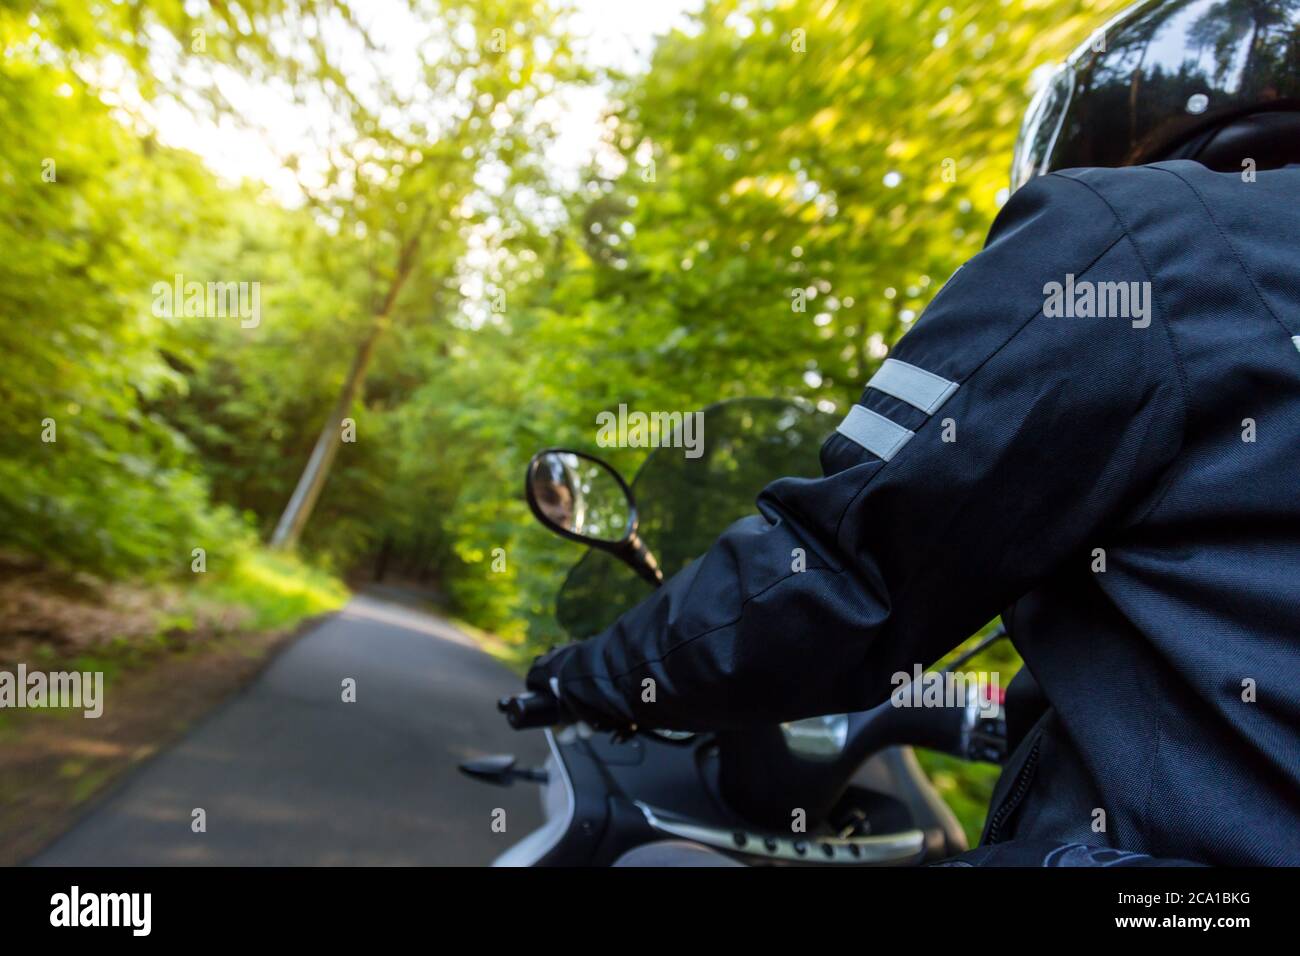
x,y
542,680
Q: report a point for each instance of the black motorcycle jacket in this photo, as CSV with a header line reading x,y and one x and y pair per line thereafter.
x,y
1094,430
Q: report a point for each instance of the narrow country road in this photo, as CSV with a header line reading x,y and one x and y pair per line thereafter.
x,y
289,774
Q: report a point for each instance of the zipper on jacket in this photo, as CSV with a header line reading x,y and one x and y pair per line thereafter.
x,y
1017,794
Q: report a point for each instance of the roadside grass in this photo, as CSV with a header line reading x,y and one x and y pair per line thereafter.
x,y
169,652
259,591
279,589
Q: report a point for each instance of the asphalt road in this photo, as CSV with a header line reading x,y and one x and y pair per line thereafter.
x,y
289,774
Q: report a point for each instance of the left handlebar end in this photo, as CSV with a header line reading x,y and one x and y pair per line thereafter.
x,y
525,711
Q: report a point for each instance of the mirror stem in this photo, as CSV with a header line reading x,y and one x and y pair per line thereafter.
x,y
642,560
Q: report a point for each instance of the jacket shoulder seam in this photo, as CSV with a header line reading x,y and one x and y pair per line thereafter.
x,y
1184,388
1241,263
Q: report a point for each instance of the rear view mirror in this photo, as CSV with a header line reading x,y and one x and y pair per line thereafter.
x,y
584,499
580,497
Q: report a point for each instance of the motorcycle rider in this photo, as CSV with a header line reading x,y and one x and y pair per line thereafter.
x,y
1093,430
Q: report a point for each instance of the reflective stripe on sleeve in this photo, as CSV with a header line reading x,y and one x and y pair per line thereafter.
x,y
916,386
876,433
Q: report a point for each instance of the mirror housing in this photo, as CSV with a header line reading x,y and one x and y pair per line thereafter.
x,y
561,488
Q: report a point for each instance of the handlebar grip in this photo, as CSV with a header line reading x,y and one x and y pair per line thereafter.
x,y
524,711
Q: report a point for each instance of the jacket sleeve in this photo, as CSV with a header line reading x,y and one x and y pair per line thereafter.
x,y
998,447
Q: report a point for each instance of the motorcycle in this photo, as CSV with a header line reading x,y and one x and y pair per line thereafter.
x,y
838,790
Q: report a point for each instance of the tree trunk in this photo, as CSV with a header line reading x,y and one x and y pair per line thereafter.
x,y
309,487
303,499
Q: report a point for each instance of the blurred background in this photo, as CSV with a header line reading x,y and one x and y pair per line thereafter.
x,y
472,226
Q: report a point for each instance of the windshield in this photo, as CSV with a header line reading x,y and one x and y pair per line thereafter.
x,y
685,503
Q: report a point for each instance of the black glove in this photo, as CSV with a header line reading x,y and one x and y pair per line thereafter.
x,y
544,678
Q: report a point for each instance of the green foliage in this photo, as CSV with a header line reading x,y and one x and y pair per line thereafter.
x,y
86,213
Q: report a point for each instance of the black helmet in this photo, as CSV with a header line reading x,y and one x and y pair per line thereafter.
x,y
1217,81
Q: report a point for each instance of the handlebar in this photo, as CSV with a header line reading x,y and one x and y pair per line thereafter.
x,y
965,732
525,711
